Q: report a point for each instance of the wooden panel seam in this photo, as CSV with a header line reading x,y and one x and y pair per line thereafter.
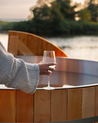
x,y
23,48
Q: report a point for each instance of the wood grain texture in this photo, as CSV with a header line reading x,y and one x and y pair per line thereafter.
x,y
22,36
24,107
46,45
74,104
40,47
13,45
58,105
23,48
34,43
10,35
88,102
8,106
96,101
42,106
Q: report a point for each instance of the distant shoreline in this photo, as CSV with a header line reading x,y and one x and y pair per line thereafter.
x,y
12,20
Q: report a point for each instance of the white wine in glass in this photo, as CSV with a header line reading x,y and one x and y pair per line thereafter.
x,y
49,57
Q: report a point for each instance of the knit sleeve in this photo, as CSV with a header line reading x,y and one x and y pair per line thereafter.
x,y
18,74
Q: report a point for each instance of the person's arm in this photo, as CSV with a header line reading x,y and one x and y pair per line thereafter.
x,y
18,74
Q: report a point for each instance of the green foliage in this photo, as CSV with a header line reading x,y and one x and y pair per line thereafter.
x,y
63,27
66,9
42,12
2,24
85,15
58,11
58,19
8,26
94,10
66,27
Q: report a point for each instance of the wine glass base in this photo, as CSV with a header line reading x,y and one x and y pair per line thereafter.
x,y
48,88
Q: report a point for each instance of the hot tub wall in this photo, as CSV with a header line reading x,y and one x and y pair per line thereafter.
x,y
48,106
54,105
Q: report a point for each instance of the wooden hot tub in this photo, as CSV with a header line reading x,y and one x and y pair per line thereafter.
x,y
75,95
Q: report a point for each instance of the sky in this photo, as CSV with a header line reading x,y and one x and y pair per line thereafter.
x,y
19,9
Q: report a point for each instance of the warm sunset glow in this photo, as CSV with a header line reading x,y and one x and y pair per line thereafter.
x,y
79,1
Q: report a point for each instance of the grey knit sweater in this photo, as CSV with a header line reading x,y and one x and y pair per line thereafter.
x,y
16,73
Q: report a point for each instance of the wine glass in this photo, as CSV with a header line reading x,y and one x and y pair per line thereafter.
x,y
49,57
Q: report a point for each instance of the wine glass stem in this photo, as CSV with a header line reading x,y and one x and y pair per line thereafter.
x,y
49,81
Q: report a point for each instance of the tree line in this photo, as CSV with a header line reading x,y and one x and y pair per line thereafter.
x,y
58,18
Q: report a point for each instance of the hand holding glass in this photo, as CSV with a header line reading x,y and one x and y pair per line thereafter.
x,y
49,57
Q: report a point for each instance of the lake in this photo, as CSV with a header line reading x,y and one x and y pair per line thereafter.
x,y
79,47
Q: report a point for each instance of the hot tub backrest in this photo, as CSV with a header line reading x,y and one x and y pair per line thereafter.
x,y
22,43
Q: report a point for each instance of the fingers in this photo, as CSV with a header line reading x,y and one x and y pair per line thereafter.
x,y
48,72
46,68
50,68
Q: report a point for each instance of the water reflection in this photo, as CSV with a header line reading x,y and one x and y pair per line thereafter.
x,y
82,47
4,40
